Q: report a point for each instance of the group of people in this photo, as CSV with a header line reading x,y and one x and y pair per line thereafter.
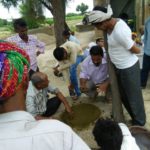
x,y
26,109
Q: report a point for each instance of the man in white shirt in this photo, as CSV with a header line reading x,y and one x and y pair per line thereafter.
x,y
38,102
19,129
110,135
122,50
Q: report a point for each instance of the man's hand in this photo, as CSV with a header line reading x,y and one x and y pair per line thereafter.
x,y
102,88
68,109
83,86
57,73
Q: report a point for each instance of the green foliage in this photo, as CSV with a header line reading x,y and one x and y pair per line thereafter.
x,y
29,16
9,3
3,22
74,17
68,18
82,8
71,14
49,21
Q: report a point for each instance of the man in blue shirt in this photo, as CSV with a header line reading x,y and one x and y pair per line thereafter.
x,y
146,57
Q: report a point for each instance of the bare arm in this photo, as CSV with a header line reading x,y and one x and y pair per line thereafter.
x,y
64,101
135,49
83,84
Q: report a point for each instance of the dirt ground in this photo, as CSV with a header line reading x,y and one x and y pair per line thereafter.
x,y
46,62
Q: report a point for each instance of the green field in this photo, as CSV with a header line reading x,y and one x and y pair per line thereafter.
x,y
7,30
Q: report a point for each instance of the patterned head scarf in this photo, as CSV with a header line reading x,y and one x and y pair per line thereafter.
x,y
97,16
14,64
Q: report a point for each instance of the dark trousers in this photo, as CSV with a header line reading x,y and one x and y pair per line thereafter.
x,y
129,85
145,70
52,106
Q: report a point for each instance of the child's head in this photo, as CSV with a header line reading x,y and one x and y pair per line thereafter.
x,y
108,134
100,41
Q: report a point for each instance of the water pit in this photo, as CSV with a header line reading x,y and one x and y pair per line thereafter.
x,y
83,115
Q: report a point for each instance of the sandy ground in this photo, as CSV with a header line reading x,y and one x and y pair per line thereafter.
x,y
46,62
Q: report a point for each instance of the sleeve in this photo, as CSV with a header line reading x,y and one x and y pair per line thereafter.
x,y
146,31
84,71
53,90
76,143
30,100
128,142
30,105
40,45
72,141
123,36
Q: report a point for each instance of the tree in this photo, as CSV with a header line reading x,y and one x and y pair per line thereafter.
x,y
56,7
83,7
28,12
9,3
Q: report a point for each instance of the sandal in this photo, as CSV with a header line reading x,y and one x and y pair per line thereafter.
x,y
73,94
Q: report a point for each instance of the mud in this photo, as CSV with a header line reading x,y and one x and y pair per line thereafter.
x,y
83,116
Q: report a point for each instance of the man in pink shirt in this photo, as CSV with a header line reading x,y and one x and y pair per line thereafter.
x,y
94,78
29,43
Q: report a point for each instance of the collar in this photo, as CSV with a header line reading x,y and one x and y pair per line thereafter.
x,y
103,61
15,116
36,91
20,40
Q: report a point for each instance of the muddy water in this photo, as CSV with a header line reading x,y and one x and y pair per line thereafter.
x,y
83,115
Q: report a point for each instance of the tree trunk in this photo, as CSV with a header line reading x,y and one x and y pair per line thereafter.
x,y
117,110
59,19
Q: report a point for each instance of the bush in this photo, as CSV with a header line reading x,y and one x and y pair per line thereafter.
x,y
72,14
3,22
49,21
74,17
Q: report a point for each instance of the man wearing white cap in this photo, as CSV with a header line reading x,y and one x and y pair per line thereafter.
x,y
122,50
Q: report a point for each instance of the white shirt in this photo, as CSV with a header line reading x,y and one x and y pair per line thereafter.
x,y
36,99
20,131
128,142
73,50
119,45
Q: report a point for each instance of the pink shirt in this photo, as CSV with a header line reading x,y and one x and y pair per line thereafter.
x,y
31,47
97,74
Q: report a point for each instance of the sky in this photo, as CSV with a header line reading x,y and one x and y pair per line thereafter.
x,y
71,7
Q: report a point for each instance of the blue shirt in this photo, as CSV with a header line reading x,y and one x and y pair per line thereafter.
x,y
73,39
147,37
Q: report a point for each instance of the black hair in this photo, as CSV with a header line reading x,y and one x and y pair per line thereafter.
x,y
100,8
66,33
108,134
59,53
96,50
19,23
